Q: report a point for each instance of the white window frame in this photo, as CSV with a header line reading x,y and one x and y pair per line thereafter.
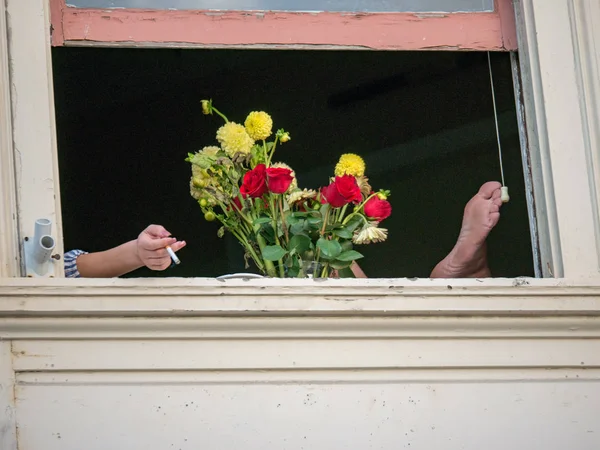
x,y
559,46
29,170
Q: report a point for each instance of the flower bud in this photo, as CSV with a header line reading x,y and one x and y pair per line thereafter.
x,y
383,194
203,202
206,107
209,216
283,135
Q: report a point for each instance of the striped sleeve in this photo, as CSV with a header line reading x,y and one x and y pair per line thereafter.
x,y
71,263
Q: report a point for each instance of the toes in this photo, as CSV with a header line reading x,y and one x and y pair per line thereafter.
x,y
494,218
488,189
494,208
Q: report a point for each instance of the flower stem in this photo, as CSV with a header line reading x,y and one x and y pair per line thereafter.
x,y
322,233
250,249
325,219
220,114
274,225
341,213
269,156
283,224
357,210
325,270
269,266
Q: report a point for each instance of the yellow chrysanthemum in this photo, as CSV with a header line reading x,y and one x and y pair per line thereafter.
x,y
259,125
234,139
350,164
294,183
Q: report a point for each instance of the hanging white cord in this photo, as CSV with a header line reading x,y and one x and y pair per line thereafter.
x,y
505,196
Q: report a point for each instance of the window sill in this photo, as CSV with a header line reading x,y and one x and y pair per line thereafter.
x,y
185,297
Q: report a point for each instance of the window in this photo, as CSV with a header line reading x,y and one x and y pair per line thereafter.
x,y
563,234
422,120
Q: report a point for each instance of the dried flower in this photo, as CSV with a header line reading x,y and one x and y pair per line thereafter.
x,y
298,195
259,125
369,233
350,164
365,187
234,139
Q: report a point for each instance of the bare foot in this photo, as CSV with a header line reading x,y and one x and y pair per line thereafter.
x,y
468,258
357,271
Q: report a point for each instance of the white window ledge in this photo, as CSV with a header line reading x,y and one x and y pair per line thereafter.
x,y
373,297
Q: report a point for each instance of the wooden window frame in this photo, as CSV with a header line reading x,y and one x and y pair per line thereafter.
x,y
494,31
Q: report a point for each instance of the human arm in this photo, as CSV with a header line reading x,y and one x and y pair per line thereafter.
x,y
147,250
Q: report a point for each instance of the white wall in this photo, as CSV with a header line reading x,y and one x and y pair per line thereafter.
x,y
389,364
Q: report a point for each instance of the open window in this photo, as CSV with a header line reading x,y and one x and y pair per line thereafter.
x,y
423,121
120,105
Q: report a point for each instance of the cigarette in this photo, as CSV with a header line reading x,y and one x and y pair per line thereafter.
x,y
172,255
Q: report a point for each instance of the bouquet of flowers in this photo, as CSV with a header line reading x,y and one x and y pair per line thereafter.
x,y
287,231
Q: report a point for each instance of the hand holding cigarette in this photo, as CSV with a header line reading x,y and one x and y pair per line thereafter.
x,y
156,248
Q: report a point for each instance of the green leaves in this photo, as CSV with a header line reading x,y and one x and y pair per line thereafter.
x,y
273,252
350,255
299,243
329,249
304,222
261,220
343,233
337,255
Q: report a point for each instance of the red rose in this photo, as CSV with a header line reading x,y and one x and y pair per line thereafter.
x,y
341,192
279,179
255,182
378,209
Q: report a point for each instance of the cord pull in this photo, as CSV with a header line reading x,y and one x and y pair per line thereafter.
x,y
504,194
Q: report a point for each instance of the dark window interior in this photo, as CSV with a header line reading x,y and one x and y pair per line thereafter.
x,y
423,121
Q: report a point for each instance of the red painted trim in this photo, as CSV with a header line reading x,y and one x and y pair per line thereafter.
x,y
381,31
56,19
506,12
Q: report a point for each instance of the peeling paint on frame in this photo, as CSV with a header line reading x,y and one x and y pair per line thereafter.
x,y
493,31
